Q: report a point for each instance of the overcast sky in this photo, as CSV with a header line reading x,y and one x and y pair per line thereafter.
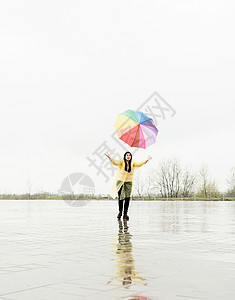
x,y
67,68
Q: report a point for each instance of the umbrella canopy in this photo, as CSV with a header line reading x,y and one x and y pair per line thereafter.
x,y
136,129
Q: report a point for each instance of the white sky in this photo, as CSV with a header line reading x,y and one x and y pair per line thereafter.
x,y
67,68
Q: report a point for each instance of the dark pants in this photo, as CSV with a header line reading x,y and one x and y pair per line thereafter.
x,y
120,202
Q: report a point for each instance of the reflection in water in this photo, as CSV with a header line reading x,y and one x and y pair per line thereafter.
x,y
188,216
170,217
126,274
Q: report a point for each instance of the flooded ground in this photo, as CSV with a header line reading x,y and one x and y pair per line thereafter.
x,y
167,250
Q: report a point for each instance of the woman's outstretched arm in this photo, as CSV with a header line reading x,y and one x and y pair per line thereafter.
x,y
113,161
149,157
140,164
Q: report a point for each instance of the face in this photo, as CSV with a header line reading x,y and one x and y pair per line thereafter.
x,y
128,156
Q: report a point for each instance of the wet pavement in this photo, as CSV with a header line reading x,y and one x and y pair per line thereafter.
x,y
167,250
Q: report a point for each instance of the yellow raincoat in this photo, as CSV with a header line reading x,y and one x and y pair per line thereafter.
x,y
124,178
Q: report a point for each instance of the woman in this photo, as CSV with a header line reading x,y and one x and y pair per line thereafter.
x,y
123,184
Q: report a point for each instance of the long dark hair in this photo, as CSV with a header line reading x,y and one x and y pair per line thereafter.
x,y
129,162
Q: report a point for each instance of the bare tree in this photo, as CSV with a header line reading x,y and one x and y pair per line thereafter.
x,y
204,178
169,177
213,189
208,186
174,173
231,183
162,182
188,182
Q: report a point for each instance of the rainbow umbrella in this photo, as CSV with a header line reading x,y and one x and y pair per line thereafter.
x,y
136,129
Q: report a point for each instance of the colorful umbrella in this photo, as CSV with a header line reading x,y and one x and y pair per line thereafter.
x,y
136,129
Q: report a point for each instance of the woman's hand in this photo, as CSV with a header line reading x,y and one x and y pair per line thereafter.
x,y
149,157
107,155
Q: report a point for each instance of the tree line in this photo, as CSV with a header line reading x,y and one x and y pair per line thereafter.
x,y
171,179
